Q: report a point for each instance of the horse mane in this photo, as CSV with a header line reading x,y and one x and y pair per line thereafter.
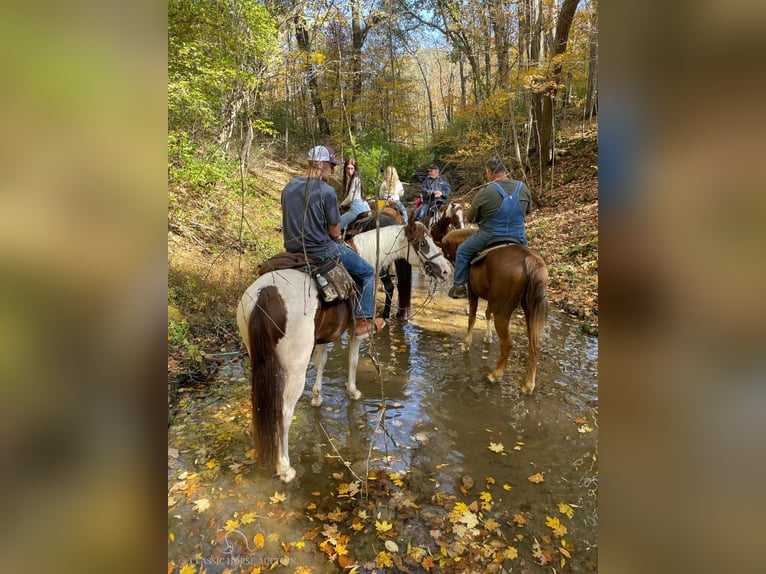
x,y
453,239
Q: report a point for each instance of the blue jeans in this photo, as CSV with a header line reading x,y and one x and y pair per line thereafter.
x,y
467,251
402,209
357,207
364,276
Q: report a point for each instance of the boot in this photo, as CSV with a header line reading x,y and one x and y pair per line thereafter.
x,y
458,292
364,326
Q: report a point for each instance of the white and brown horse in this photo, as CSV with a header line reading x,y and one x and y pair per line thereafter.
x,y
447,217
281,320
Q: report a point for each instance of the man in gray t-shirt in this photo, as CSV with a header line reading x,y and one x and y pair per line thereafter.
x,y
310,217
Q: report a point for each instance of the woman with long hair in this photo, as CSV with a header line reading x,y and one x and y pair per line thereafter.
x,y
354,190
391,189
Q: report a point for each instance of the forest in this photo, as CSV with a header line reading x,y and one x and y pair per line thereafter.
x,y
253,85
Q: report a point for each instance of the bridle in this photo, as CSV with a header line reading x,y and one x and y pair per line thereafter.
x,y
425,259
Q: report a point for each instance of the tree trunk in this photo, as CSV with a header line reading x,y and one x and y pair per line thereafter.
x,y
304,43
591,100
563,25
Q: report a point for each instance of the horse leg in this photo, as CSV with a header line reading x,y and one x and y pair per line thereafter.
x,y
388,287
295,381
321,359
473,304
503,330
535,305
488,338
353,363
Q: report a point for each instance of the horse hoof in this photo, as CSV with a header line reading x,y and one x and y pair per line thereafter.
x,y
491,378
465,346
316,401
355,395
527,390
288,475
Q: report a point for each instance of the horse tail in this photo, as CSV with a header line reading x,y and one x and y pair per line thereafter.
x,y
266,327
535,299
404,286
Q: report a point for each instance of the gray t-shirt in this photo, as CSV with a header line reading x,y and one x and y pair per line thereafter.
x,y
309,206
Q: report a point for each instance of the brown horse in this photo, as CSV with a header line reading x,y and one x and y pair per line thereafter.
x,y
506,275
440,221
390,208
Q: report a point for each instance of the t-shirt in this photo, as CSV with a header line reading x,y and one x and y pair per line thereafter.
x,y
309,206
487,202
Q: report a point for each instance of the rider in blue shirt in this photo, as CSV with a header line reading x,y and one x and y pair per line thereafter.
x,y
499,208
434,190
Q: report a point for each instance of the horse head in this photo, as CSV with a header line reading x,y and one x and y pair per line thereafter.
x,y
428,253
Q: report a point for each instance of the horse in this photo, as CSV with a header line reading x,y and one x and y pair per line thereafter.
x,y
281,319
402,266
449,245
506,275
443,219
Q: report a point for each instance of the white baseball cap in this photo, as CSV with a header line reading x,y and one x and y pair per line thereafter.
x,y
322,153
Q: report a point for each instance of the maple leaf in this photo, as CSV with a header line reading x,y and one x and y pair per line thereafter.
x,y
341,549
384,526
490,480
510,553
536,478
519,519
554,524
383,559
428,563
496,447
566,509
188,569
506,487
303,570
231,525
278,497
491,524
581,420
248,517
201,504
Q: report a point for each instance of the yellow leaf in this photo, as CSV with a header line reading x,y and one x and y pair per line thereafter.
x,y
278,497
341,549
248,517
490,480
383,559
201,504
211,463
384,526
496,446
565,552
566,509
584,429
511,553
303,570
506,487
259,540
171,566
536,478
300,544
231,525
311,506
188,569
172,537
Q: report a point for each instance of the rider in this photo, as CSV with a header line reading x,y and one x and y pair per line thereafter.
x,y
310,219
499,209
391,189
434,191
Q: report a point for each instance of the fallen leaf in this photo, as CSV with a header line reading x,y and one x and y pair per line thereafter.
x,y
566,509
496,446
519,519
231,525
536,478
510,553
188,569
584,429
201,504
554,524
248,517
384,526
278,497
259,540
391,546
383,559
506,487
581,420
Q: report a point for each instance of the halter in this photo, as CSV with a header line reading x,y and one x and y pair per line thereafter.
x,y
424,259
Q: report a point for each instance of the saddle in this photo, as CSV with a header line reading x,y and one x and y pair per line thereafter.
x,y
494,243
333,281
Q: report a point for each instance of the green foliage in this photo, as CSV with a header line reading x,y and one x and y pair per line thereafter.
x,y
192,164
214,49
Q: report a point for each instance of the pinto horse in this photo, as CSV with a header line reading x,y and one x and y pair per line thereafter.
x,y
445,218
281,320
402,266
506,275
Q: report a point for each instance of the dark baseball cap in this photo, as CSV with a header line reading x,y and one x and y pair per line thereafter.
x,y
433,166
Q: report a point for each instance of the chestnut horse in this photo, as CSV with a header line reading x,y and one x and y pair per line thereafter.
x,y
506,275
281,320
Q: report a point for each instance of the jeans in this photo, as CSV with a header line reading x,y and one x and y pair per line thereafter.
x,y
465,252
402,209
357,207
364,276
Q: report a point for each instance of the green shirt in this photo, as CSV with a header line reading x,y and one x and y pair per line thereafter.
x,y
487,202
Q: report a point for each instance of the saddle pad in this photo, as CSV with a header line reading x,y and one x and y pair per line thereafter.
x,y
284,260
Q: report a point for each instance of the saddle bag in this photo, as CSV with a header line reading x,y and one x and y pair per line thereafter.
x,y
333,281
